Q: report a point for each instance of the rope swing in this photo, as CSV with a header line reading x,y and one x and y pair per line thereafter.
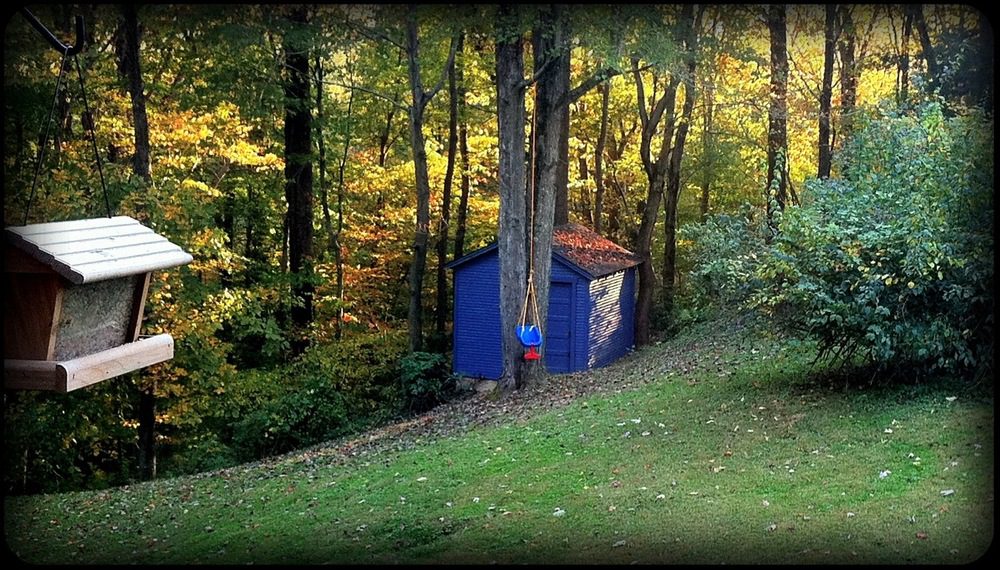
x,y
530,335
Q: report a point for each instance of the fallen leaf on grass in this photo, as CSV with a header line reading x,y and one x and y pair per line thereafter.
x,y
922,535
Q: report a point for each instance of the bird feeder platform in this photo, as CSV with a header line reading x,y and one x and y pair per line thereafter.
x,y
74,301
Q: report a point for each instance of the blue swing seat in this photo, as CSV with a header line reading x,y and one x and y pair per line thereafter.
x,y
529,335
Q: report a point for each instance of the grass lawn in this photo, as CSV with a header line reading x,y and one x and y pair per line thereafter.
x,y
745,457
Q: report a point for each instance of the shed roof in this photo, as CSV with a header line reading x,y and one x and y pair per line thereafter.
x,y
591,251
581,248
85,251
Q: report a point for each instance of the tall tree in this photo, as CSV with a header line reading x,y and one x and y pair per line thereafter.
x,y
904,56
690,25
916,12
442,239
463,145
550,44
298,172
512,230
848,70
826,95
420,99
602,140
655,167
128,64
777,129
707,147
129,68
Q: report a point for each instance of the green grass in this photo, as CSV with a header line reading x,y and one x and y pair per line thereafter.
x,y
742,458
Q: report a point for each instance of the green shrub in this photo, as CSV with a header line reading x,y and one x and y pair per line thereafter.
x,y
727,251
893,263
426,380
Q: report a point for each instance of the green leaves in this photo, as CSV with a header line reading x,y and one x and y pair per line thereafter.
x,y
878,264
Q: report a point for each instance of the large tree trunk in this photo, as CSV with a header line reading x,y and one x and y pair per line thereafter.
x,y
550,44
442,239
550,151
299,178
602,139
830,39
512,229
848,72
777,135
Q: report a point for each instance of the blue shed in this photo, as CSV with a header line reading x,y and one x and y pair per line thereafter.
x,y
591,305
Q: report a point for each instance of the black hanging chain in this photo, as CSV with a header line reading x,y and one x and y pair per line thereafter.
x,y
45,139
88,121
88,118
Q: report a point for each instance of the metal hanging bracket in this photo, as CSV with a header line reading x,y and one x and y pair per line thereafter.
x,y
57,45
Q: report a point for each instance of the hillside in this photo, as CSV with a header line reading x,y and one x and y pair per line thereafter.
x,y
721,445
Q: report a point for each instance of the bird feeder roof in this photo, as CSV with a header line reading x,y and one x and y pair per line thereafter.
x,y
86,251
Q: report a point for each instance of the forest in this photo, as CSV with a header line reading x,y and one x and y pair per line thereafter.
x,y
826,167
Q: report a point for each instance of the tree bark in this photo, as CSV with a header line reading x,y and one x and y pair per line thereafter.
x,y
848,72
599,160
463,201
904,58
691,25
299,178
708,150
512,229
777,135
442,239
129,68
129,65
917,12
420,99
656,170
550,44
826,94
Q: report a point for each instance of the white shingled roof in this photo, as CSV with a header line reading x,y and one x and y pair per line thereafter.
x,y
85,251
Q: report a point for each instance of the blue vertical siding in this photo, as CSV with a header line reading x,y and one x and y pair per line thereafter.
x,y
612,302
476,351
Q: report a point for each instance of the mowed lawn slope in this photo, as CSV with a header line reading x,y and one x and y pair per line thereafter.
x,y
721,445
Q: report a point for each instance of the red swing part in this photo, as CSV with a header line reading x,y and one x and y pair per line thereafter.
x,y
532,354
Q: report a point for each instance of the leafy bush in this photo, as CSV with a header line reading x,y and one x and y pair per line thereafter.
x,y
425,379
313,413
331,390
727,250
893,262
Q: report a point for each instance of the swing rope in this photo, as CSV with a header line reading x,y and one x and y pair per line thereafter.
x,y
87,119
529,293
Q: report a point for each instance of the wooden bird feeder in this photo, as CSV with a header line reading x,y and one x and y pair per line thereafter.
x,y
74,298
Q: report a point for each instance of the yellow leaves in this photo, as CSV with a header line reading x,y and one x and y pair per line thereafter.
x,y
189,184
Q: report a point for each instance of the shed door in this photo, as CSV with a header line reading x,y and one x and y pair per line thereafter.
x,y
559,336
